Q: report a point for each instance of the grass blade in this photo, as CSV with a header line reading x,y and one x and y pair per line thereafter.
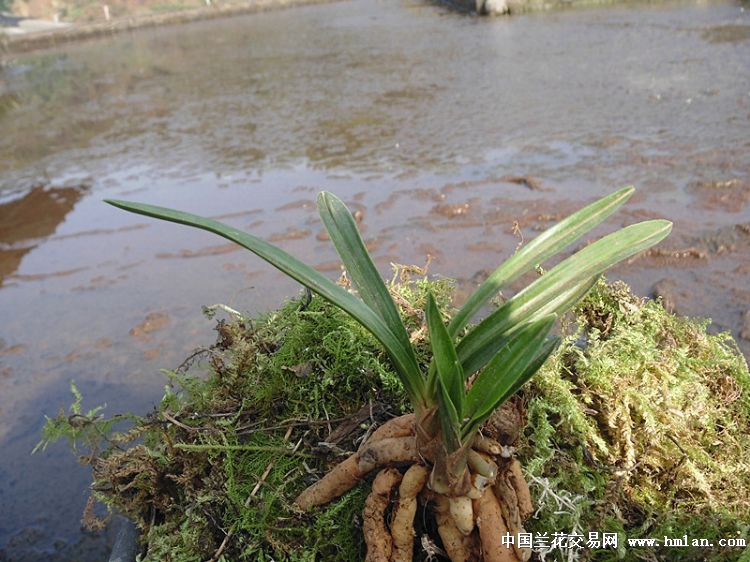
x,y
544,246
547,349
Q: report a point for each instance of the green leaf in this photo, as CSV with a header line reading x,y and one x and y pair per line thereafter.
x,y
548,348
450,421
342,228
497,329
449,369
544,246
403,359
568,277
503,373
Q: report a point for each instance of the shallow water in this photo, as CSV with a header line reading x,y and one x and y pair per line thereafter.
x,y
443,129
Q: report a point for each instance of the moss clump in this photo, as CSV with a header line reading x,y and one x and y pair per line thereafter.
x,y
275,402
637,425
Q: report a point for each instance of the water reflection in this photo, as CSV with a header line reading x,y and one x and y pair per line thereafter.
x,y
27,220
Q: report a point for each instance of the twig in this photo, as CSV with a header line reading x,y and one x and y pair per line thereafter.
x,y
258,448
266,472
221,548
188,362
169,418
228,309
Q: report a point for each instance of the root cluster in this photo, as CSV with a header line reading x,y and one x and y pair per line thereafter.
x,y
471,519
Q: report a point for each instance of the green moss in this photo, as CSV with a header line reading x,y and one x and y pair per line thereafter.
x,y
637,425
642,417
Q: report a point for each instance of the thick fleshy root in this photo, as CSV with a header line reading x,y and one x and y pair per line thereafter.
x,y
387,452
511,506
492,529
402,523
344,476
457,545
521,487
477,499
377,537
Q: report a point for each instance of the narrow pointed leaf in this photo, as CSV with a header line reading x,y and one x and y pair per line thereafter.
x,y
587,263
449,370
497,329
342,228
547,348
450,421
503,370
403,359
544,246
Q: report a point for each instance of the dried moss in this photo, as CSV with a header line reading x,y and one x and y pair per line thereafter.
x,y
637,425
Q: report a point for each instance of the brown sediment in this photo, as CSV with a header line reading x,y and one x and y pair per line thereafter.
x,y
298,204
153,322
731,195
44,276
12,350
236,214
484,246
729,33
290,234
98,232
451,210
328,266
691,253
532,183
151,354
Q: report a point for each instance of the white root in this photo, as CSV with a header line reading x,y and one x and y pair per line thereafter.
x,y
457,546
462,513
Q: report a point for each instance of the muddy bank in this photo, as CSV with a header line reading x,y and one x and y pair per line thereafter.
x,y
53,38
511,7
